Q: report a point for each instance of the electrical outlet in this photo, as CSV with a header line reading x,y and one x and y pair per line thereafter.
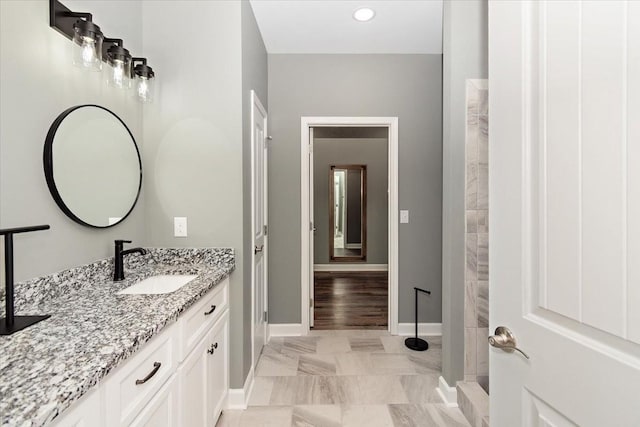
x,y
404,217
180,226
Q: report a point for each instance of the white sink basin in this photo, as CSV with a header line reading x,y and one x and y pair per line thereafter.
x,y
162,284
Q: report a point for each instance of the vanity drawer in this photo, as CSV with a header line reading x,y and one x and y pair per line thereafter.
x,y
132,386
195,323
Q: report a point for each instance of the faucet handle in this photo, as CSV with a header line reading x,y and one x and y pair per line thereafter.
x,y
122,241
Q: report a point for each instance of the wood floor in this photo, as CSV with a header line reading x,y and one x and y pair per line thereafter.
x,y
351,300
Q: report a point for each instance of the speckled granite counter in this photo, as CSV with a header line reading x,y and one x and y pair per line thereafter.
x,y
92,329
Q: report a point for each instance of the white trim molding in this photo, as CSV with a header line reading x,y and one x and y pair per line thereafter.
x,y
285,330
424,329
308,123
238,398
343,266
449,395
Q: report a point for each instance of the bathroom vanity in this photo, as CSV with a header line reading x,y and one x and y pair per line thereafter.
x,y
107,358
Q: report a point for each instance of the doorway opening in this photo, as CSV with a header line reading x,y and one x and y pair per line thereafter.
x,y
350,207
349,216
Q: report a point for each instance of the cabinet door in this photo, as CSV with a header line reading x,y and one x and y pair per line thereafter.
x,y
194,386
83,413
162,410
218,365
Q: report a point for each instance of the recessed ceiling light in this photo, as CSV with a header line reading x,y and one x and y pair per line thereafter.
x,y
364,14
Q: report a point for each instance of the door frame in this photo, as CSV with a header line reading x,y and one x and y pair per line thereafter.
x,y
255,101
391,123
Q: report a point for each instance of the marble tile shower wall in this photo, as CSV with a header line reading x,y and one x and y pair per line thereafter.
x,y
476,314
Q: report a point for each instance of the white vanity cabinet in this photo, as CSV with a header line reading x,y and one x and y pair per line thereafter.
x,y
204,378
82,413
179,378
162,410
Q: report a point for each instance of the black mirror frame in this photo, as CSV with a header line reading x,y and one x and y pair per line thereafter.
x,y
47,159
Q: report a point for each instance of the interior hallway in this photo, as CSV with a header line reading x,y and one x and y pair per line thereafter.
x,y
346,378
351,300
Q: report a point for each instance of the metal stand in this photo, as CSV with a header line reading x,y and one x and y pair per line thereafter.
x,y
12,323
415,343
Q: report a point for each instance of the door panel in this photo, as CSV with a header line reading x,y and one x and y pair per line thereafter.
x,y
218,368
312,235
194,381
259,163
563,196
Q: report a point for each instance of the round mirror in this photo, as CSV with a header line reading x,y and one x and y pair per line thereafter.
x,y
92,166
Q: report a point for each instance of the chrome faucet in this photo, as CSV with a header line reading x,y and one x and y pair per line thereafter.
x,y
118,271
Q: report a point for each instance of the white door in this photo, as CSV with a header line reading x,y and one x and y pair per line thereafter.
x,y
564,179
312,233
259,224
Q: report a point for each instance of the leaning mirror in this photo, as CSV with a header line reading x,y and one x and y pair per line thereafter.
x,y
348,213
92,166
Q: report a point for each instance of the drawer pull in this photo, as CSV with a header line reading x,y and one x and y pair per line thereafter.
x,y
213,308
156,367
213,348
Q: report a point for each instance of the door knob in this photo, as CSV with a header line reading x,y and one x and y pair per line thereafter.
x,y
258,249
504,339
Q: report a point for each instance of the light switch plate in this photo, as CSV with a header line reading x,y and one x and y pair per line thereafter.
x,y
404,217
180,226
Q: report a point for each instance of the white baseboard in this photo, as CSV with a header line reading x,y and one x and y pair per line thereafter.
x,y
238,398
343,266
449,395
285,330
425,329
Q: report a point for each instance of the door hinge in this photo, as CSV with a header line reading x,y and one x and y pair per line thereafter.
x,y
310,302
266,317
311,228
265,229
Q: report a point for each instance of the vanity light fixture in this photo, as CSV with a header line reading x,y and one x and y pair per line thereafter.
x,y
91,48
86,48
118,65
143,80
364,14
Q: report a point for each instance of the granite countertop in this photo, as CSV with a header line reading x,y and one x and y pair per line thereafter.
x,y
92,329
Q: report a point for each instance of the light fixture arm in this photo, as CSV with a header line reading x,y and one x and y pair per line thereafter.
x,y
141,60
117,42
62,18
142,69
107,42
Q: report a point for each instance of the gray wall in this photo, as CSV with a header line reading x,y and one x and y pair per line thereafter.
x,y
465,56
197,134
254,77
195,151
38,82
406,86
361,151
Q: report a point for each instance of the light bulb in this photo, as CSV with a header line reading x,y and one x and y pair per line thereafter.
x,y
88,51
118,73
143,89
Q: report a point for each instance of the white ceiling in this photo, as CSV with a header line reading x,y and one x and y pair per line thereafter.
x,y
327,26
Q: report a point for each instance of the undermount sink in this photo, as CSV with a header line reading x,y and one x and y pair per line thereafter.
x,y
161,284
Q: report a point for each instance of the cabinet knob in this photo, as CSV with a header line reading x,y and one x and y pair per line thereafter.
x,y
213,348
